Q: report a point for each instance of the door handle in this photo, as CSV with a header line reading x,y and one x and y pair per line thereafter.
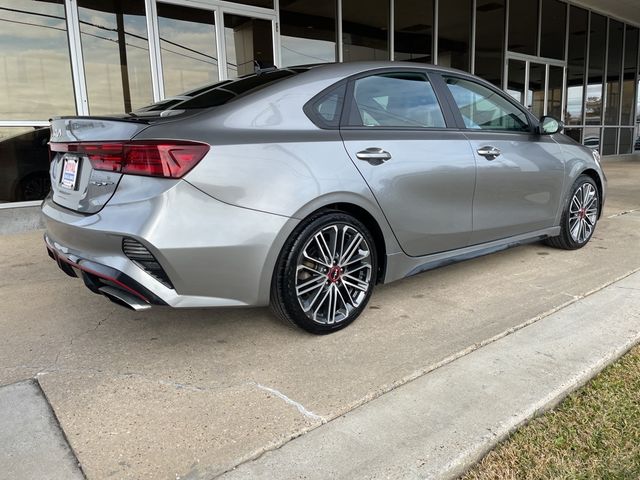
x,y
374,155
489,152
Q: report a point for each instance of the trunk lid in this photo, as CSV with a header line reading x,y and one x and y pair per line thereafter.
x,y
74,183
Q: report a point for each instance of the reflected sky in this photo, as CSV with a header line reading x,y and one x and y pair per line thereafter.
x,y
35,70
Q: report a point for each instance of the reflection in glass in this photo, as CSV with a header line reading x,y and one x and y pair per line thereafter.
x,y
535,95
554,92
490,39
554,25
188,48
515,80
576,64
591,138
523,26
413,30
626,141
609,141
116,55
255,3
629,75
249,44
454,33
614,71
575,133
365,27
24,164
307,32
597,45
35,70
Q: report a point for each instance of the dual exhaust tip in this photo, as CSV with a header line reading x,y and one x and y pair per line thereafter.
x,y
124,299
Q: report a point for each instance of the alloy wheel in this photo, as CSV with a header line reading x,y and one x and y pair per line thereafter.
x,y
333,273
583,213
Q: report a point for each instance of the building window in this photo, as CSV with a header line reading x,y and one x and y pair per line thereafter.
x,y
626,141
35,69
116,55
516,79
554,92
307,32
629,75
523,26
24,162
188,47
535,95
365,27
597,50
413,30
490,40
454,34
254,3
614,71
249,44
578,25
554,26
609,141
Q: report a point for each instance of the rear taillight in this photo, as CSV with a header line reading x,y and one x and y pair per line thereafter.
x,y
156,158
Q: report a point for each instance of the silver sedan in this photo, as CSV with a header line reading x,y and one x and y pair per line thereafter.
x,y
304,187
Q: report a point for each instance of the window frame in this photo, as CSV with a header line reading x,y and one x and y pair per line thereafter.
x,y
349,101
533,122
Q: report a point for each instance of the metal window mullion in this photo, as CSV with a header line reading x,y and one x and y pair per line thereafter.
x,y
566,32
621,76
77,63
339,40
563,94
221,45
436,30
277,42
527,66
155,57
505,58
545,98
539,39
392,30
585,81
605,70
472,43
23,123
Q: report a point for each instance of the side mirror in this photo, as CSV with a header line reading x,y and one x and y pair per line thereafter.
x,y
549,125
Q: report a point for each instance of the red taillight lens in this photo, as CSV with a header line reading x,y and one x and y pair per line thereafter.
x,y
156,158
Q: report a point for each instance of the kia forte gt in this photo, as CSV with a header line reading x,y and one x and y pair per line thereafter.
x,y
302,188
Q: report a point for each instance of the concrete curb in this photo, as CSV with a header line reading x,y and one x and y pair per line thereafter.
x,y
20,217
32,443
440,424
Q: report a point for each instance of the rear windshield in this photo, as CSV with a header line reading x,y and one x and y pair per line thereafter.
x,y
222,92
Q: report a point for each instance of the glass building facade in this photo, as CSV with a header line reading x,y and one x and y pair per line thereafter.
x,y
95,57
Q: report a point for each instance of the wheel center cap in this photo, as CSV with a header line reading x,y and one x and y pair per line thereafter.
x,y
334,274
582,213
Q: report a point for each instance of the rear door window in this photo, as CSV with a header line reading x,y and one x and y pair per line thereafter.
x,y
402,99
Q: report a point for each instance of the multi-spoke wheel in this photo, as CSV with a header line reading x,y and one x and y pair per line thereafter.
x,y
325,273
580,215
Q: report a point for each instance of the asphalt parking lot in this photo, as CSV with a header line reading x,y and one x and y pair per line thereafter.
x,y
191,394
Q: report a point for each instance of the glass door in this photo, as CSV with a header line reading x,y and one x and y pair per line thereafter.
x,y
538,85
248,44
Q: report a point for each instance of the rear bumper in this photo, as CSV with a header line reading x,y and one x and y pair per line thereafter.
x,y
215,254
99,278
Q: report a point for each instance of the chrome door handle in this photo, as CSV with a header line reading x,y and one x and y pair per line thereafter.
x,y
374,155
489,152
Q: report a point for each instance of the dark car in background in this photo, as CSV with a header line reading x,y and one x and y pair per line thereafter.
x,y
24,166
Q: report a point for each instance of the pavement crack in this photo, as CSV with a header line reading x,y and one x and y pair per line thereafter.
x,y
306,413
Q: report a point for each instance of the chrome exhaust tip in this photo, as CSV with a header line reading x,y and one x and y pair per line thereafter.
x,y
124,299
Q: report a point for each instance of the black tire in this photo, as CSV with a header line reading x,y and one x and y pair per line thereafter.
x,y
304,275
573,213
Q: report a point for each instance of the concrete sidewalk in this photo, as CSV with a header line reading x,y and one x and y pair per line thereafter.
x,y
442,423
